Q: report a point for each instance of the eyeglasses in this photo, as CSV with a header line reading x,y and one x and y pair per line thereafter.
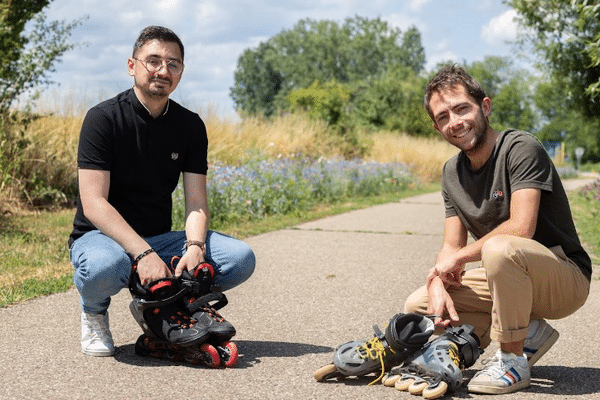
x,y
153,65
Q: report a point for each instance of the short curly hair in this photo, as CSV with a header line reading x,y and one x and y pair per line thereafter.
x,y
449,76
156,32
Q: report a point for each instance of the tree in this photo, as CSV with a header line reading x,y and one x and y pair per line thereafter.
x,y
509,89
589,14
566,35
27,60
360,49
29,54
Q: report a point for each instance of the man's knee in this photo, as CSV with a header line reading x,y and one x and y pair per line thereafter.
x,y
498,252
99,268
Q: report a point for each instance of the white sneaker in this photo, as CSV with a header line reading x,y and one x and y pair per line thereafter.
x,y
504,373
540,338
96,339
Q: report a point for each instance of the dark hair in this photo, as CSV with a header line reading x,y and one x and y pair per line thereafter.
x,y
449,76
156,32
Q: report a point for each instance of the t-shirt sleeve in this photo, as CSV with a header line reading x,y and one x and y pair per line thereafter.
x,y
529,165
95,141
449,206
196,161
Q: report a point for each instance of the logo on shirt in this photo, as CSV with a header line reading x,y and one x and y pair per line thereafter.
x,y
498,194
174,156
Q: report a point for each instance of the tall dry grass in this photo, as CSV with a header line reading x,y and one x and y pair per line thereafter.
x,y
291,134
53,140
425,154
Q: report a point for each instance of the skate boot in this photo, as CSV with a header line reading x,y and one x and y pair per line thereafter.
x,y
404,335
438,366
157,309
169,331
202,302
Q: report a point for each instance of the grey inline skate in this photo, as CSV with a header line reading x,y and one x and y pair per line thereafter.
x,y
438,366
405,334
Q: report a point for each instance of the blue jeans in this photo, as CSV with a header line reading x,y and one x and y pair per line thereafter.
x,y
102,267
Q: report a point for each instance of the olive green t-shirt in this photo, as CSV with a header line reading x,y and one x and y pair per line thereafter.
x,y
481,199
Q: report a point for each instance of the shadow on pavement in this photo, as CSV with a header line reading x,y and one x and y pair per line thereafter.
x,y
564,380
250,353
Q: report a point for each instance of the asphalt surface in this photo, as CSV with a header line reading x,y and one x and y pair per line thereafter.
x,y
316,286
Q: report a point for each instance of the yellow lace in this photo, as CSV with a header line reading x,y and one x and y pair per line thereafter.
x,y
374,350
454,356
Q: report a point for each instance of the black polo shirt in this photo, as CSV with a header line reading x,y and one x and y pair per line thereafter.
x,y
145,157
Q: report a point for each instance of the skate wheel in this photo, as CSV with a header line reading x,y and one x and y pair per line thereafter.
x,y
326,372
229,354
144,346
436,391
404,382
417,387
390,380
210,355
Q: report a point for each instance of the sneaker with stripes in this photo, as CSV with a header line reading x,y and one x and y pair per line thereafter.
x,y
540,338
504,373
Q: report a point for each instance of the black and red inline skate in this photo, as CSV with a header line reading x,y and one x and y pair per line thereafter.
x,y
180,320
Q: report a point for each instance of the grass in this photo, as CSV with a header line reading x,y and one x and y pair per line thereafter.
x,y
34,259
34,255
585,206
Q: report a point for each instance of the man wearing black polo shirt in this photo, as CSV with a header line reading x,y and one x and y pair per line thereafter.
x,y
132,150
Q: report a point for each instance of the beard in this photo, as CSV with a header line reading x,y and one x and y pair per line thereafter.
x,y
157,86
479,131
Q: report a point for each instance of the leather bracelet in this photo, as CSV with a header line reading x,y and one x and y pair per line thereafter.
x,y
142,255
198,243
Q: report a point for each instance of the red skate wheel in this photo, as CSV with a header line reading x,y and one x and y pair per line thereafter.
x,y
211,355
229,354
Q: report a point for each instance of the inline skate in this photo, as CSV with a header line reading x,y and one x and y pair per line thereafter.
x,y
404,335
437,367
180,321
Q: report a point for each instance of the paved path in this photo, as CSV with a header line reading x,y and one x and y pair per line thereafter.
x,y
316,285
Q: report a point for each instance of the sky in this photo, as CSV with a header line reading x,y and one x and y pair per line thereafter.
x,y
216,32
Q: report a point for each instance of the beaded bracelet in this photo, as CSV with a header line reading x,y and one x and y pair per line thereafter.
x,y
144,254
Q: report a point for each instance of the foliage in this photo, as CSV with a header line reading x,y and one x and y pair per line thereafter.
x,y
589,15
565,36
585,204
327,102
358,50
509,90
258,188
393,102
34,258
27,61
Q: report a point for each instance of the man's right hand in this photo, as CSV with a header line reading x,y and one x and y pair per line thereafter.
x,y
440,304
151,268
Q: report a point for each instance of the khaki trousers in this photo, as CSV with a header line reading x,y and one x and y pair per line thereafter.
x,y
519,280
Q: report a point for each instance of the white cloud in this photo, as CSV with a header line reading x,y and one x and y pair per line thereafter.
x,y
405,21
500,29
417,5
216,32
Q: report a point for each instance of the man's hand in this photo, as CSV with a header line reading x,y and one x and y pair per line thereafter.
x,y
448,270
151,268
440,303
193,257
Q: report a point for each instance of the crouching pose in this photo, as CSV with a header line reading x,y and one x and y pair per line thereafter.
x,y
503,189
132,151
